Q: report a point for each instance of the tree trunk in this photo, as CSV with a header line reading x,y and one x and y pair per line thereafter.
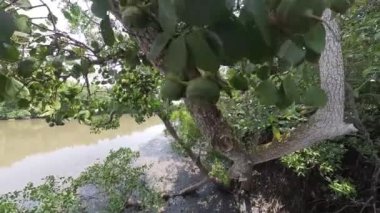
x,y
328,121
169,127
213,126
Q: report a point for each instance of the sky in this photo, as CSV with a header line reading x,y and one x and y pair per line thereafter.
x,y
42,12
62,24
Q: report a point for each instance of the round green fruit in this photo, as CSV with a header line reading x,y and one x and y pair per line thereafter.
x,y
203,89
134,17
171,90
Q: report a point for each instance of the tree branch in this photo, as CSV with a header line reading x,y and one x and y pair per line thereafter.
x,y
207,116
189,152
327,122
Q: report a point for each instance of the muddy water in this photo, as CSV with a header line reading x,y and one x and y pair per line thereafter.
x,y
30,150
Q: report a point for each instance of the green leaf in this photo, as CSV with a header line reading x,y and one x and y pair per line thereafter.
x,y
315,39
239,82
23,24
291,52
263,72
267,93
159,45
67,15
22,3
9,52
7,26
76,71
201,52
340,6
233,38
312,56
288,93
297,15
23,103
3,81
176,58
258,50
86,66
283,101
200,12
26,67
167,15
52,18
107,31
290,88
15,90
258,9
224,86
100,7
276,133
315,96
95,45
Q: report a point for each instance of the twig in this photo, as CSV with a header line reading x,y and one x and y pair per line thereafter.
x,y
366,204
64,35
50,13
343,208
85,76
9,4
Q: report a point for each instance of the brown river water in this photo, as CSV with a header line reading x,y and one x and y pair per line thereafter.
x,y
31,150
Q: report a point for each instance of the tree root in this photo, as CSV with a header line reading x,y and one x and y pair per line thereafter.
x,y
188,190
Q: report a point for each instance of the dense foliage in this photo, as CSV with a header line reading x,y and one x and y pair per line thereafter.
x,y
38,58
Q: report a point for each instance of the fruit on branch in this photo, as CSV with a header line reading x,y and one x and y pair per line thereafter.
x,y
203,89
172,90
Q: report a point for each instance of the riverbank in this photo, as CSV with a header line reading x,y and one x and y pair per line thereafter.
x,y
30,150
164,172
17,118
16,115
7,113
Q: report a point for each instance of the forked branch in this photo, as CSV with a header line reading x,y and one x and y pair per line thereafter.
x,y
327,122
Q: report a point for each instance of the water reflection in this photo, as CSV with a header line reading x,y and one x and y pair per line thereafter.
x,y
30,150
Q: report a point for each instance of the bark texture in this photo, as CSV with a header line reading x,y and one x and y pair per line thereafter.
x,y
327,122
213,125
